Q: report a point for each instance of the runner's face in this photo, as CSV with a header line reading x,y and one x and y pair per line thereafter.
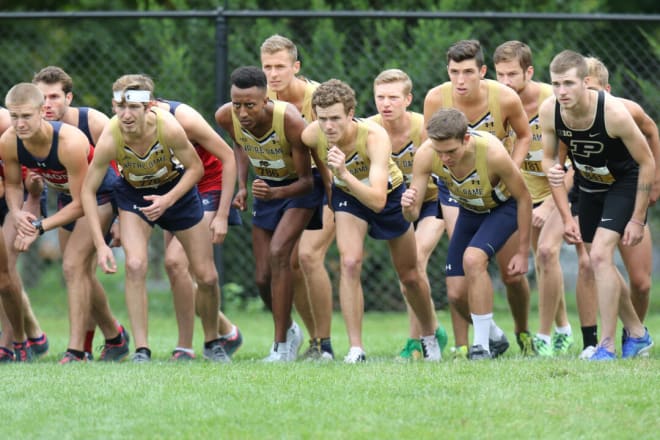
x,y
568,87
132,116
26,119
280,69
391,101
248,105
465,76
56,102
512,75
334,121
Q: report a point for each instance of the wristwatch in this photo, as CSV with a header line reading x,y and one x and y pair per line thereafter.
x,y
38,225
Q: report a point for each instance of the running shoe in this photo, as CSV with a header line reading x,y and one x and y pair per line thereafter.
x,y
22,352
356,355
525,343
70,358
602,354
636,347
542,348
562,343
412,351
497,347
116,352
39,345
478,353
6,355
431,348
230,345
215,352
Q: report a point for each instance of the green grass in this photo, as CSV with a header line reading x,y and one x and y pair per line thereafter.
x,y
508,398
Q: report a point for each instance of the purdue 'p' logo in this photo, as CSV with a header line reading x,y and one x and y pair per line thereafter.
x,y
585,148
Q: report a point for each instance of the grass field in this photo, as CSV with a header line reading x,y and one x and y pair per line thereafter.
x,y
511,398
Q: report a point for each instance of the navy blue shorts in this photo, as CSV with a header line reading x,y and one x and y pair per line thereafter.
x,y
488,232
211,201
444,195
184,214
267,214
105,194
429,209
384,225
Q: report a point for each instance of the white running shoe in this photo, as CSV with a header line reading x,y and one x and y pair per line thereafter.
x,y
355,355
431,349
587,352
278,353
294,340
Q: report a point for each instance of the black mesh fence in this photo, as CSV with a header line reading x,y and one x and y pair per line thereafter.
x,y
190,54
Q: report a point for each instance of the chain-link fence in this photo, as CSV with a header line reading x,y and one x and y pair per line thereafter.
x,y
190,55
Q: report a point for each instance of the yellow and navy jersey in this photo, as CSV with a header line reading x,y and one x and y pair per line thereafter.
x,y
473,191
270,154
152,169
491,121
535,178
306,111
357,161
403,155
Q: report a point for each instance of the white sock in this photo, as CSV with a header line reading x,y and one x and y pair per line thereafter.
x,y
185,350
545,338
566,330
231,334
494,332
482,325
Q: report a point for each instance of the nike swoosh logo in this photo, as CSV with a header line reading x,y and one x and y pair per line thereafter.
x,y
591,135
605,219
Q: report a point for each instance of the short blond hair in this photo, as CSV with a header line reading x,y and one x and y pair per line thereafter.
x,y
276,43
24,94
598,71
390,76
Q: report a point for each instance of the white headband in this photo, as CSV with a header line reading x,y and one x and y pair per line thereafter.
x,y
132,96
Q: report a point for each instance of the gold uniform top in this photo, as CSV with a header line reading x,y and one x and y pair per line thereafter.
x,y
270,154
357,161
490,122
306,110
535,178
473,191
156,167
403,157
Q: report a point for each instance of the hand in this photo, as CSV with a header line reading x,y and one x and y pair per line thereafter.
x,y
409,197
556,175
336,161
518,265
540,215
261,190
219,229
23,221
239,201
34,183
633,234
157,208
22,242
106,259
572,232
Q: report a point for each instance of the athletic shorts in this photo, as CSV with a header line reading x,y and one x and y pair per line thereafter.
x,y
611,209
488,232
266,214
184,214
211,201
429,209
384,225
444,195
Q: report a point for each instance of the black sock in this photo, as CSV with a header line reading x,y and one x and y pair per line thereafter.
x,y
326,345
144,350
114,341
77,353
589,336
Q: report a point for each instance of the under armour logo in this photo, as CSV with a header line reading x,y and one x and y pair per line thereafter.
x,y
344,203
447,267
41,164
